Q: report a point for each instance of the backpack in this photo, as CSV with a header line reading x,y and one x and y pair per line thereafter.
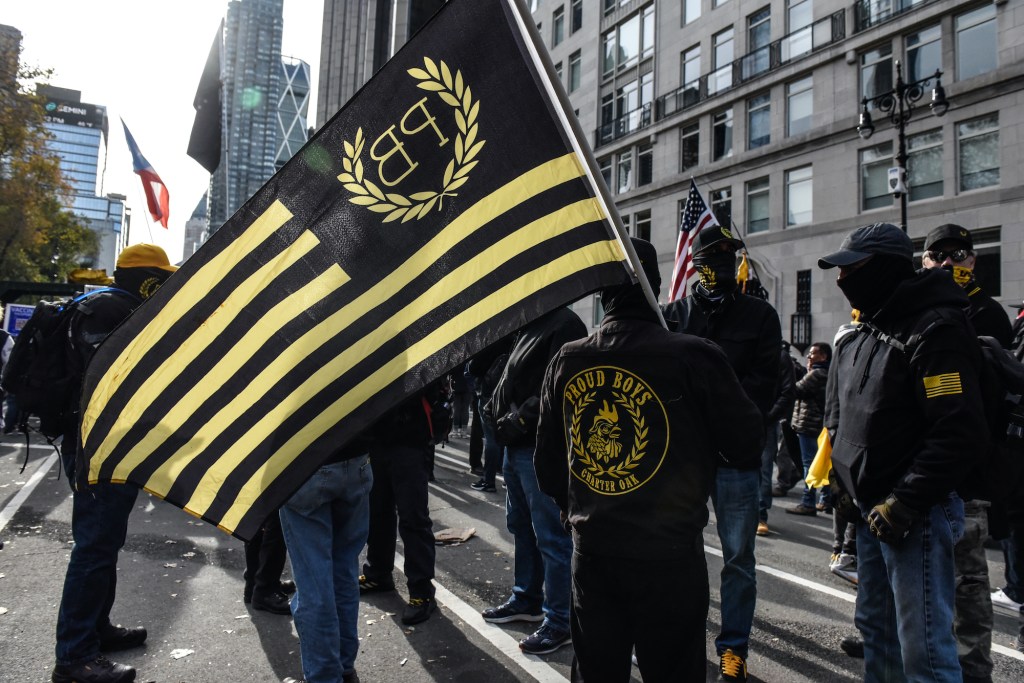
x,y
1002,388
437,404
44,371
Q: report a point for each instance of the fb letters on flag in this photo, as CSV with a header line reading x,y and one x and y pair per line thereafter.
x,y
445,206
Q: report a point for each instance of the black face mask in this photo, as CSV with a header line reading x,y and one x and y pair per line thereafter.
x,y
871,285
717,272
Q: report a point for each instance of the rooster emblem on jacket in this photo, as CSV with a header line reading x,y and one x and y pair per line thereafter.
x,y
603,442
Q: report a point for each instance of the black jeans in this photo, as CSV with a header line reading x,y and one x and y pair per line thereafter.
x,y
398,505
660,607
265,556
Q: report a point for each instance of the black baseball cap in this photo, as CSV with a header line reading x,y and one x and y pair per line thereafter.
x,y
949,232
713,234
870,240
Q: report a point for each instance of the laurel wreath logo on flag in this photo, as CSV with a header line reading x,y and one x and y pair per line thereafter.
x,y
454,92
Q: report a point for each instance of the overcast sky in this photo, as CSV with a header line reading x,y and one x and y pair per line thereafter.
x,y
142,60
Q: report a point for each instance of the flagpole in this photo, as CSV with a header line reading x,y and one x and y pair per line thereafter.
x,y
554,88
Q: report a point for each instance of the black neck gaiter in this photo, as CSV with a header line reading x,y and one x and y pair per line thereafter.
x,y
871,285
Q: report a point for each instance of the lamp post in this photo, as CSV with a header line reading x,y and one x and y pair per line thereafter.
x,y
899,103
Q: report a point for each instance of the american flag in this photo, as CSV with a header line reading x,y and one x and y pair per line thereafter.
x,y
696,216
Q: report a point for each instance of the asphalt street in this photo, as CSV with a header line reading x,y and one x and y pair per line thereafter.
x,y
182,579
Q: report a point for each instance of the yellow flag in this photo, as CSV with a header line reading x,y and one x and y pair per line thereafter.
x,y
817,474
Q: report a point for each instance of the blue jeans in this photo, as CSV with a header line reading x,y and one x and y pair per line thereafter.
x,y
99,525
325,526
768,455
808,449
905,599
735,497
543,548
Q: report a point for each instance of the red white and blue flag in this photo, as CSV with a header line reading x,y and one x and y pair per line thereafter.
x,y
696,216
157,198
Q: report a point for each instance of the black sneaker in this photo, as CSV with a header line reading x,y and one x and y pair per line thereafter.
x,y
483,486
732,666
853,646
506,612
114,638
545,640
368,585
275,603
418,610
287,587
99,670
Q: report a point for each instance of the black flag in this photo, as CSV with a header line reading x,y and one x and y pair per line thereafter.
x,y
204,144
445,206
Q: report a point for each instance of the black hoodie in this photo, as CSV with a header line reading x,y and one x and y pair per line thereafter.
x,y
910,425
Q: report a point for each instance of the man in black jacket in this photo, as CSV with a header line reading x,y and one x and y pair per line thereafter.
x,y
950,247
646,413
747,329
780,411
99,516
543,548
910,422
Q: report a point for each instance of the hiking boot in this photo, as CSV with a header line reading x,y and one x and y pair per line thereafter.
x,y
99,670
779,492
287,587
368,585
802,510
732,667
114,638
545,640
762,528
844,566
823,507
506,612
275,603
418,610
853,646
483,486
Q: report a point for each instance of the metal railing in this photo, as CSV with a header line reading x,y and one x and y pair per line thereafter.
x,y
868,13
630,122
776,54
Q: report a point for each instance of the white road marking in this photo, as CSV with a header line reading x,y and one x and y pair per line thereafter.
x,y
21,496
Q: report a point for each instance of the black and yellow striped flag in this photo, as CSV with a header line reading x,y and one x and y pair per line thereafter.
x,y
445,206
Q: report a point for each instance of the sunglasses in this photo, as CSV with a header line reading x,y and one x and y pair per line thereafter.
x,y
957,255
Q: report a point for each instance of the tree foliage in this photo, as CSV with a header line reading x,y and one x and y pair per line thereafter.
x,y
40,241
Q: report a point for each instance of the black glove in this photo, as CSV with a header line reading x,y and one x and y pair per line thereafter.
x,y
890,521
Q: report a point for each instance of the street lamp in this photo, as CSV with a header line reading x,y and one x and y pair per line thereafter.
x,y
898,103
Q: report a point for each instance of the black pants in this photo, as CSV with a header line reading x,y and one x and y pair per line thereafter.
x,y
265,556
660,607
476,440
398,506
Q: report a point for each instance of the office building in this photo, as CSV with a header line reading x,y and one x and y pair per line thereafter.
x,y
292,109
80,133
759,102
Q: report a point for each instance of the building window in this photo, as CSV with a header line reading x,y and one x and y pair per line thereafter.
x,y
721,206
976,42
608,54
691,10
642,225
598,311
605,165
722,56
721,138
691,67
576,20
689,147
645,165
719,3
609,5
757,205
874,176
799,196
924,53
575,71
924,165
799,106
630,41
557,25
558,71
876,72
624,171
759,36
799,40
803,291
648,33
759,121
978,153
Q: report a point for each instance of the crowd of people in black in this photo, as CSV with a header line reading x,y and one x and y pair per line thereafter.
x,y
661,411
